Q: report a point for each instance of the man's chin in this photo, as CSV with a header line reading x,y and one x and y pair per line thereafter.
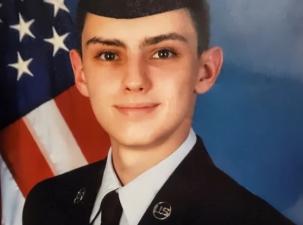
x,y
136,141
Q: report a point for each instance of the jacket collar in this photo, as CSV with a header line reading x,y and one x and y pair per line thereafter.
x,y
175,205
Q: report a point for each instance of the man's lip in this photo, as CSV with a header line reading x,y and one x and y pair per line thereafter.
x,y
135,106
136,109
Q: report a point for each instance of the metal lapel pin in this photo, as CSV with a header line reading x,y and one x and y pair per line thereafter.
x,y
79,196
162,210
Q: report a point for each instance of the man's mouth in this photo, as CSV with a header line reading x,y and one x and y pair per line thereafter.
x,y
136,108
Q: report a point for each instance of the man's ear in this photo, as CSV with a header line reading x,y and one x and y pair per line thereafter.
x,y
79,75
211,61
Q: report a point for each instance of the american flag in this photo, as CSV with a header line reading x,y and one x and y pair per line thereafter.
x,y
46,127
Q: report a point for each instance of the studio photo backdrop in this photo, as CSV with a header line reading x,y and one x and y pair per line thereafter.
x,y
251,121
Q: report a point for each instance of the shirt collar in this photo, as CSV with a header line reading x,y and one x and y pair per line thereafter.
x,y
109,183
146,185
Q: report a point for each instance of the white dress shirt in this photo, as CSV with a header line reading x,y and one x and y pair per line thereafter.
x,y
136,196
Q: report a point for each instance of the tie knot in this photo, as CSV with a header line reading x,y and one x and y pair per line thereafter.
x,y
111,209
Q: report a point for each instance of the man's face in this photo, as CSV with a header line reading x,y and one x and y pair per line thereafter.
x,y
141,75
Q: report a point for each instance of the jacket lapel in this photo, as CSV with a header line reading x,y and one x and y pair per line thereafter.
x,y
176,199
80,197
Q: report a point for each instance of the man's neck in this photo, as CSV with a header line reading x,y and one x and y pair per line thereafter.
x,y
131,162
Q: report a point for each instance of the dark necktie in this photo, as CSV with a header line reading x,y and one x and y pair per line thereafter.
x,y
111,209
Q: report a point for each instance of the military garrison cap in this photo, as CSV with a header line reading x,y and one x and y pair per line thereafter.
x,y
127,9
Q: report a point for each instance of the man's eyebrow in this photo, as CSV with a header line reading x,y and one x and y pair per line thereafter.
x,y
163,37
102,41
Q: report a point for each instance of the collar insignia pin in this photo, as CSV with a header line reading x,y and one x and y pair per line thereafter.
x,y
79,196
162,210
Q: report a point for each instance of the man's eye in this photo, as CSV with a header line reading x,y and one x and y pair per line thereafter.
x,y
108,56
164,54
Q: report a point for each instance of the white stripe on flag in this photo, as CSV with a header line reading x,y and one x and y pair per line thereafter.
x,y
12,199
54,138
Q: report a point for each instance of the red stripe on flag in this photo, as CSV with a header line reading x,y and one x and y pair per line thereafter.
x,y
23,157
77,112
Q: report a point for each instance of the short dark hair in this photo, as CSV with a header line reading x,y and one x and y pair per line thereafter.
x,y
201,20
200,16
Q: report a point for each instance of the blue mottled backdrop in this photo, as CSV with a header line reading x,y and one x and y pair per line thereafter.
x,y
252,120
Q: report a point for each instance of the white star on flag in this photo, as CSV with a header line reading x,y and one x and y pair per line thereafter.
x,y
22,66
23,28
57,41
58,4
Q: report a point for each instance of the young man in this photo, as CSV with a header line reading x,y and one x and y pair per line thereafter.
x,y
142,64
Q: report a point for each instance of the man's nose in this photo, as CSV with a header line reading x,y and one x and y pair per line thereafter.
x,y
136,77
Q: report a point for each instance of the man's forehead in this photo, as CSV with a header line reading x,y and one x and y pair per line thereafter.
x,y
127,9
